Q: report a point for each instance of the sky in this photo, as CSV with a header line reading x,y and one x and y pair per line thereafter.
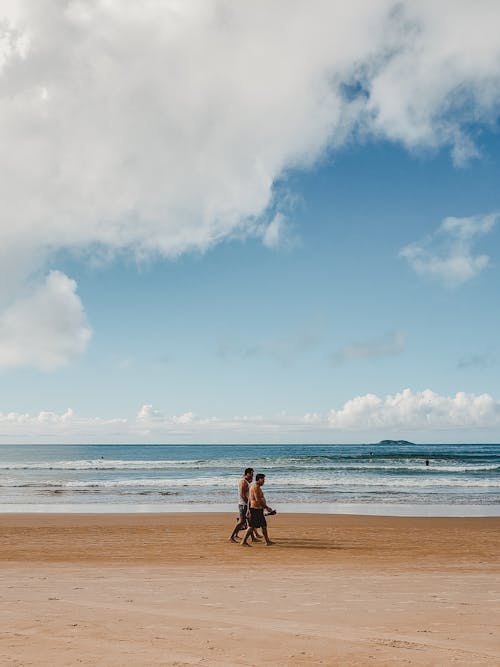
x,y
249,222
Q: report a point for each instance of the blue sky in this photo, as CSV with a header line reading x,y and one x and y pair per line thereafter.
x,y
332,278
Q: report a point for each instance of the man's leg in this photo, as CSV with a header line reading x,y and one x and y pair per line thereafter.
x,y
266,536
241,525
255,536
244,542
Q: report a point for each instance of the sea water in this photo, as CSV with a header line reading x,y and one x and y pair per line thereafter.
x,y
379,479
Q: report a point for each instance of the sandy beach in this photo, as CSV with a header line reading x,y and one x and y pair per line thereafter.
x,y
169,589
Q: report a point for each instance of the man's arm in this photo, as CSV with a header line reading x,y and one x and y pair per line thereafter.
x,y
244,490
249,500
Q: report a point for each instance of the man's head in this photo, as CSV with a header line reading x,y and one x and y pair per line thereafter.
x,y
248,474
260,478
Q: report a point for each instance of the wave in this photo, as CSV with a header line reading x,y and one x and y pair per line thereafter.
x,y
122,464
123,483
432,467
275,464
330,482
102,464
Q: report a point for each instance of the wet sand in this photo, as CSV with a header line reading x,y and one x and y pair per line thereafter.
x,y
169,589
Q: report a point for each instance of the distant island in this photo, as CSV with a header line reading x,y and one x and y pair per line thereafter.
x,y
395,442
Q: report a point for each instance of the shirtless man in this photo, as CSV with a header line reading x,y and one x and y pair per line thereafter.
x,y
256,505
244,487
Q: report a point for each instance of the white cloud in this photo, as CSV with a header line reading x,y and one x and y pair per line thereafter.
x,y
46,328
149,415
67,427
186,418
278,233
43,417
427,415
162,127
424,410
440,74
447,254
157,128
389,344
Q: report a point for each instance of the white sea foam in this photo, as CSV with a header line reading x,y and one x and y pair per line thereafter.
x,y
326,482
105,464
122,483
290,464
54,476
417,467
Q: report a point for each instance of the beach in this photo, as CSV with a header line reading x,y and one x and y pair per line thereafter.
x,y
169,589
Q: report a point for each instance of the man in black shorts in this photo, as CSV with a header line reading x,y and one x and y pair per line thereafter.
x,y
256,505
243,489
242,524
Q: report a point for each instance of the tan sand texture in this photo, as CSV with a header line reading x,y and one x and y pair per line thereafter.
x,y
169,589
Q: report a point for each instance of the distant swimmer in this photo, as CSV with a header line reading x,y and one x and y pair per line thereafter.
x,y
426,462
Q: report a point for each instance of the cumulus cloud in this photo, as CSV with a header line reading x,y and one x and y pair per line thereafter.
x,y
163,127
441,73
425,410
389,344
149,415
432,417
158,128
66,427
152,425
46,328
447,254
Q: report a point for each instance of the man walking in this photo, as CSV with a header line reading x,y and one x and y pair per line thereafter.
x,y
257,504
244,487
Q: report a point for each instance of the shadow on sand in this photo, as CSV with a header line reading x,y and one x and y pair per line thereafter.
x,y
307,543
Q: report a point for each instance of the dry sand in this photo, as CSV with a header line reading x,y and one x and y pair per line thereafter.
x,y
169,589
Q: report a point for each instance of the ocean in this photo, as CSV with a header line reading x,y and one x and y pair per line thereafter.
x,y
387,479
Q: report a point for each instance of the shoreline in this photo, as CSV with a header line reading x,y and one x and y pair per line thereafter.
x,y
442,510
